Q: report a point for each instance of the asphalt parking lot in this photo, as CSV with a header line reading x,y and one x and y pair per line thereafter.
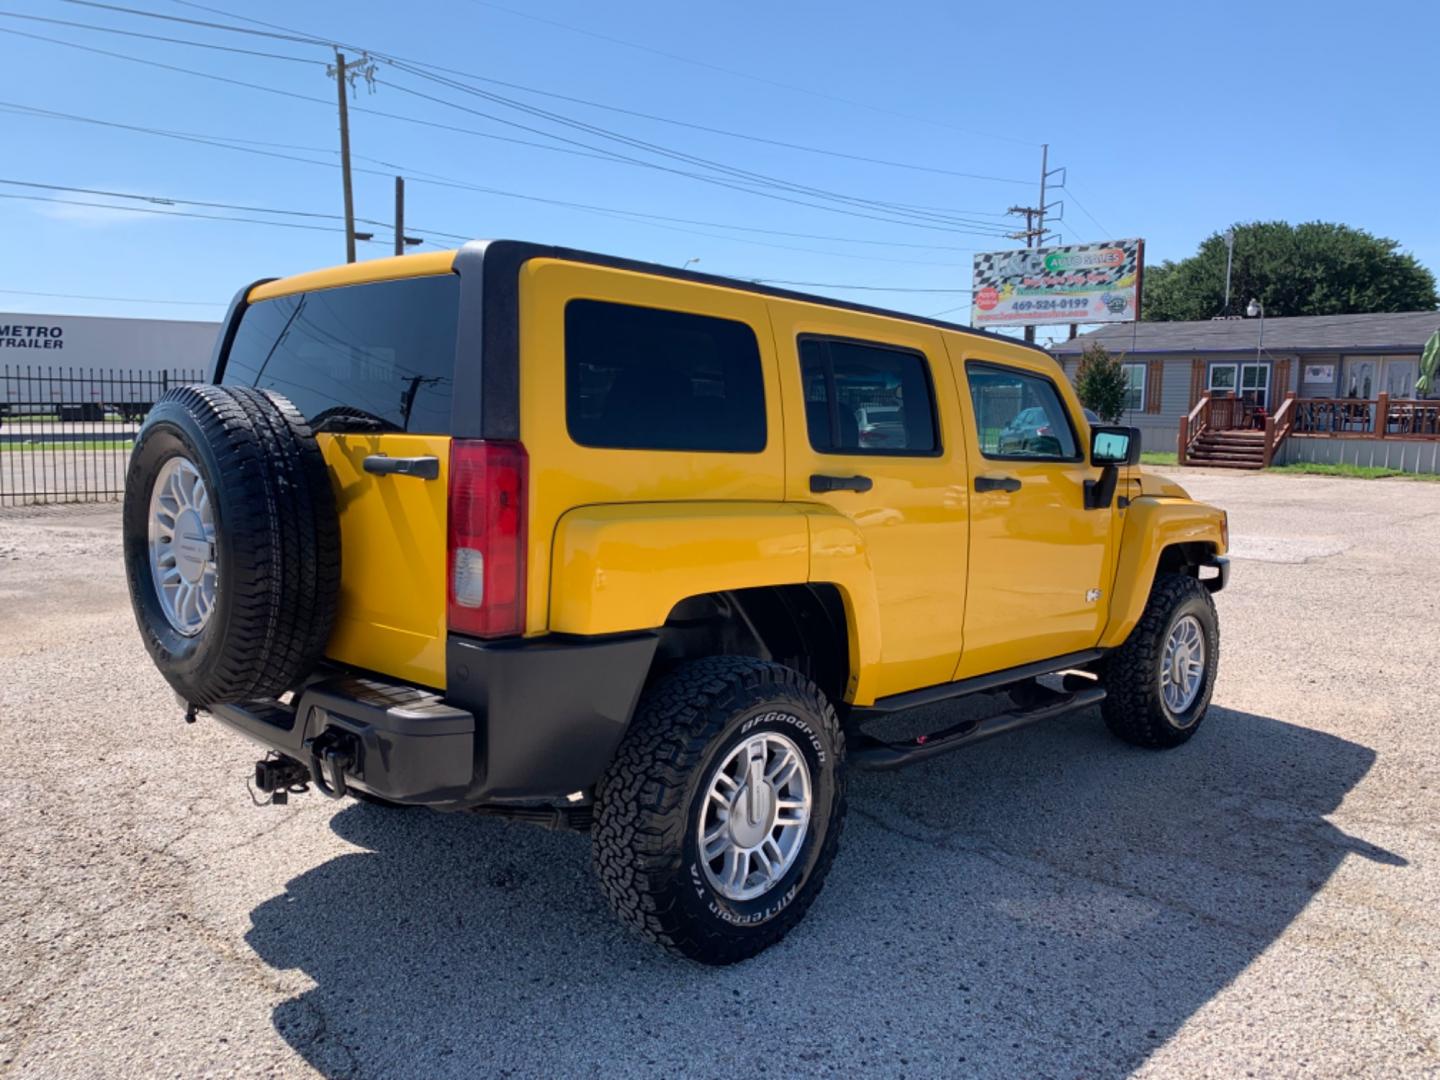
x,y
1262,901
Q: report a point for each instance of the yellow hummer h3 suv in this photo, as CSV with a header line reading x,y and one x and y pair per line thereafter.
x,y
602,544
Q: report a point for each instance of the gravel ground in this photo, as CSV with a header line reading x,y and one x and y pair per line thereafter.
x,y
1261,902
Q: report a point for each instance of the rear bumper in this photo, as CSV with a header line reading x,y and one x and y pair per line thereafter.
x,y
522,721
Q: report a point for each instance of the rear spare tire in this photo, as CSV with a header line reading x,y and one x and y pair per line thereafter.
x,y
232,543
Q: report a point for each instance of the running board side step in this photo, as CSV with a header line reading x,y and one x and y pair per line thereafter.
x,y
867,752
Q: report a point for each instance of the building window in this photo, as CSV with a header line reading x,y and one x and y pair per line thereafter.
x,y
1222,379
1134,387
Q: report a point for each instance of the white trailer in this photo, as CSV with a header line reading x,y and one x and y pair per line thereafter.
x,y
79,367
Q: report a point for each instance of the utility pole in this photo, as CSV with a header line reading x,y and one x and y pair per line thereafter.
x,y
1229,258
340,81
345,75
401,240
399,215
1044,175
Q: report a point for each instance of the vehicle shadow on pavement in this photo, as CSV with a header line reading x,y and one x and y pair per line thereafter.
x,y
1052,902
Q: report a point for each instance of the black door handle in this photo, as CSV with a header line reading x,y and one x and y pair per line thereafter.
x,y
996,483
820,483
426,468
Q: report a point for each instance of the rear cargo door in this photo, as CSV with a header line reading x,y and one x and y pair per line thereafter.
x,y
371,366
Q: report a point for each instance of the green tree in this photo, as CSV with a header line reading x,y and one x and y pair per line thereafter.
x,y
1317,268
1100,383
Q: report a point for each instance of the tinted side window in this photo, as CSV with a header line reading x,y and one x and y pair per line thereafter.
x,y
641,378
384,350
866,399
1019,415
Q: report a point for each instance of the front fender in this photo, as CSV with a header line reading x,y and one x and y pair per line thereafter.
x,y
1151,525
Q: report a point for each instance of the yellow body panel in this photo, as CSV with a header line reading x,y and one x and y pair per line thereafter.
x,y
839,557
398,266
1153,523
625,567
913,521
937,581
1040,562
564,476
392,570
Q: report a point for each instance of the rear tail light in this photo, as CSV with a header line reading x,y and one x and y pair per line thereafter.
x,y
485,588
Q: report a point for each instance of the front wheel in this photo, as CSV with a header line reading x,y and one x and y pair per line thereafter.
x,y
719,818
1158,683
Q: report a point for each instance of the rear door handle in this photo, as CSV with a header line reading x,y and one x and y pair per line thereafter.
x,y
997,483
426,468
821,483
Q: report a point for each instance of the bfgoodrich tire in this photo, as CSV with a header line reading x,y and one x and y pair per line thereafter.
x,y
232,543
670,859
1158,683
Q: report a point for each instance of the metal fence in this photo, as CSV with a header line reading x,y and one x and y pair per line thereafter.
x,y
66,433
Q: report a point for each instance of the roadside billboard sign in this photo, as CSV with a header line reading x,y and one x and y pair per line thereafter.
x,y
1079,283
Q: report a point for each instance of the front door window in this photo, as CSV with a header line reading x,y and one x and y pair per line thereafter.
x,y
1399,378
1255,384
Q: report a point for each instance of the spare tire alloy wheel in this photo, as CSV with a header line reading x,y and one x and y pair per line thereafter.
x,y
232,543
182,546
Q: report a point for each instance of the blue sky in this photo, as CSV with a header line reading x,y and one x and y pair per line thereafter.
x,y
1171,121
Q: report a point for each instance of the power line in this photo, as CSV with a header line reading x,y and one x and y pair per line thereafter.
x,y
167,213
734,185
621,110
167,200
426,70
1071,192
742,175
661,221
156,37
114,299
744,75
857,288
423,177
415,120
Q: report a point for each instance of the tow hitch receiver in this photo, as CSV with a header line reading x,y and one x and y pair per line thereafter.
x,y
278,777
332,752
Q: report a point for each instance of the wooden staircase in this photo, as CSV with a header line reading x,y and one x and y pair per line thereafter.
x,y
1216,433
1228,450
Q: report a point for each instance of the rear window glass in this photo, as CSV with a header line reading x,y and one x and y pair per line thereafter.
x,y
381,354
866,399
640,378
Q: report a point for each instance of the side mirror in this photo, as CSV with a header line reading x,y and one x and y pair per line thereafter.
x,y
1114,446
1110,447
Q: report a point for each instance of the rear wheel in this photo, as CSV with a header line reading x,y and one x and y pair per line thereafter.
x,y
719,818
1159,682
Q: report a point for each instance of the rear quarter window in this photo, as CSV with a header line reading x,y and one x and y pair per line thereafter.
x,y
384,350
639,378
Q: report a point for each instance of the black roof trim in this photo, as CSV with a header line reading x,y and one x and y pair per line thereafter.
x,y
517,252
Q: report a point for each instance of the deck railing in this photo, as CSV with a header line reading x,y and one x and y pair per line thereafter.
x,y
1382,418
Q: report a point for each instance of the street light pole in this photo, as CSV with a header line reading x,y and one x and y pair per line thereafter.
x,y
1255,307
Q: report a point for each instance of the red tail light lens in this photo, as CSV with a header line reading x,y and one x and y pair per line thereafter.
x,y
485,586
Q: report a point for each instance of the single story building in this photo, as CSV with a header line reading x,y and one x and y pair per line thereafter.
x,y
1339,368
